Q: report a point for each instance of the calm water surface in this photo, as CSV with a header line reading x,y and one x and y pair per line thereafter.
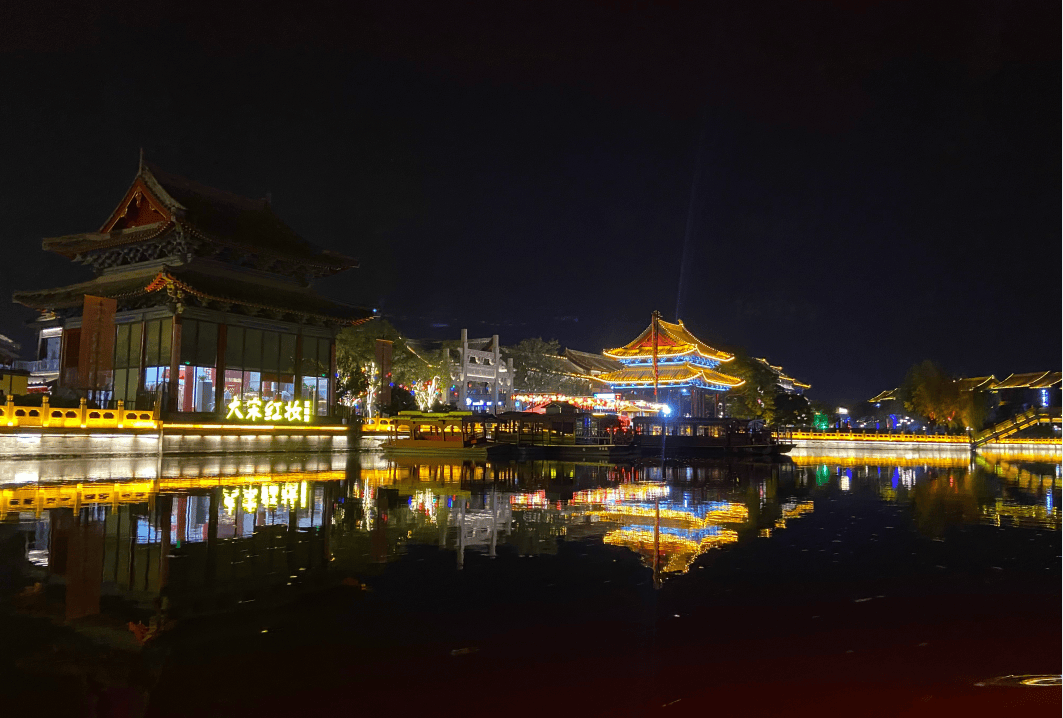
x,y
260,585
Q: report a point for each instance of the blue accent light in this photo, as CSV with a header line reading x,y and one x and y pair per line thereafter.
x,y
695,535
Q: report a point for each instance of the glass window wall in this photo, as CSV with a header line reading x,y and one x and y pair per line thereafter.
x,y
315,390
234,385
195,388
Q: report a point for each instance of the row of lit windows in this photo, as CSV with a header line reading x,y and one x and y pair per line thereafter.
x,y
259,364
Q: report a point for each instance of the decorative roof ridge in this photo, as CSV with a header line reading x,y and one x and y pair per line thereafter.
x,y
165,279
677,333
1036,378
342,261
156,176
109,234
88,284
107,240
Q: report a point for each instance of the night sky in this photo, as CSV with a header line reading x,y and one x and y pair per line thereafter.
x,y
857,186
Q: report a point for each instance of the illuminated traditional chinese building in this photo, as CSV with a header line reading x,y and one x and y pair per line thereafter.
x,y
785,383
201,299
688,376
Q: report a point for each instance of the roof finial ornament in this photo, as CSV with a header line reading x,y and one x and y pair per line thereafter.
x,y
140,165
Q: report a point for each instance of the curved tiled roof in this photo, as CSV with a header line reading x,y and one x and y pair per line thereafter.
x,y
672,340
208,213
888,395
211,287
1032,380
670,374
588,362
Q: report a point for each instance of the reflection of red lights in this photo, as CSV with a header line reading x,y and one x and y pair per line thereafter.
x,y
536,500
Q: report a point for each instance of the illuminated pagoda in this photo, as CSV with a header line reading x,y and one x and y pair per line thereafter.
x,y
786,384
201,298
684,370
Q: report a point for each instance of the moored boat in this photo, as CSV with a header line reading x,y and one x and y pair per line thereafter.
x,y
702,436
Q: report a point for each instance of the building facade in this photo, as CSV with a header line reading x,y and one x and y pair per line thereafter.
x,y
201,303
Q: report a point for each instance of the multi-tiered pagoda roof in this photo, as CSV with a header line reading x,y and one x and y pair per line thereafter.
x,y
682,360
175,241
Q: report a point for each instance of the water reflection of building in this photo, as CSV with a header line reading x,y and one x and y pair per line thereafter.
x,y
1026,493
216,533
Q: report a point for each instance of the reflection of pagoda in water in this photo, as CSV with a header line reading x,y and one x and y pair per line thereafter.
x,y
212,532
678,531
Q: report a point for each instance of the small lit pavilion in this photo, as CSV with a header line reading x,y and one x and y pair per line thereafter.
x,y
689,379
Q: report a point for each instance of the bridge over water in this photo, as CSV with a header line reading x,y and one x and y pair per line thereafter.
x,y
1025,420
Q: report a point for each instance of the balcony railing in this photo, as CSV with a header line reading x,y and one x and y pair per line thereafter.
x,y
40,366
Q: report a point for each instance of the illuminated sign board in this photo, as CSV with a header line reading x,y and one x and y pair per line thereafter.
x,y
257,410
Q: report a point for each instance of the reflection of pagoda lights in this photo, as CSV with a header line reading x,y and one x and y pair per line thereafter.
x,y
793,511
681,548
718,512
535,500
624,492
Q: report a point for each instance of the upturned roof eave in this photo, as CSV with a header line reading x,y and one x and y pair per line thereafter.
x,y
136,284
681,339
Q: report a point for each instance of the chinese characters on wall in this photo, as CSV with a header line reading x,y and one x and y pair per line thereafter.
x,y
256,410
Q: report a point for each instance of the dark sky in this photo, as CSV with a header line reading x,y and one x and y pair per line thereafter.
x,y
862,185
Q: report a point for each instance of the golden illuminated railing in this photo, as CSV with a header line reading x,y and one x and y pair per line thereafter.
x,y
879,438
50,417
953,461
35,498
1032,417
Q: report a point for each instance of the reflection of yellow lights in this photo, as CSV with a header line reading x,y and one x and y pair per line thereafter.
x,y
879,438
805,507
290,493
681,551
270,494
624,492
734,513
1031,516
229,499
956,461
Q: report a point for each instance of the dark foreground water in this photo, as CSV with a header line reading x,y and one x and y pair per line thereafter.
x,y
349,585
